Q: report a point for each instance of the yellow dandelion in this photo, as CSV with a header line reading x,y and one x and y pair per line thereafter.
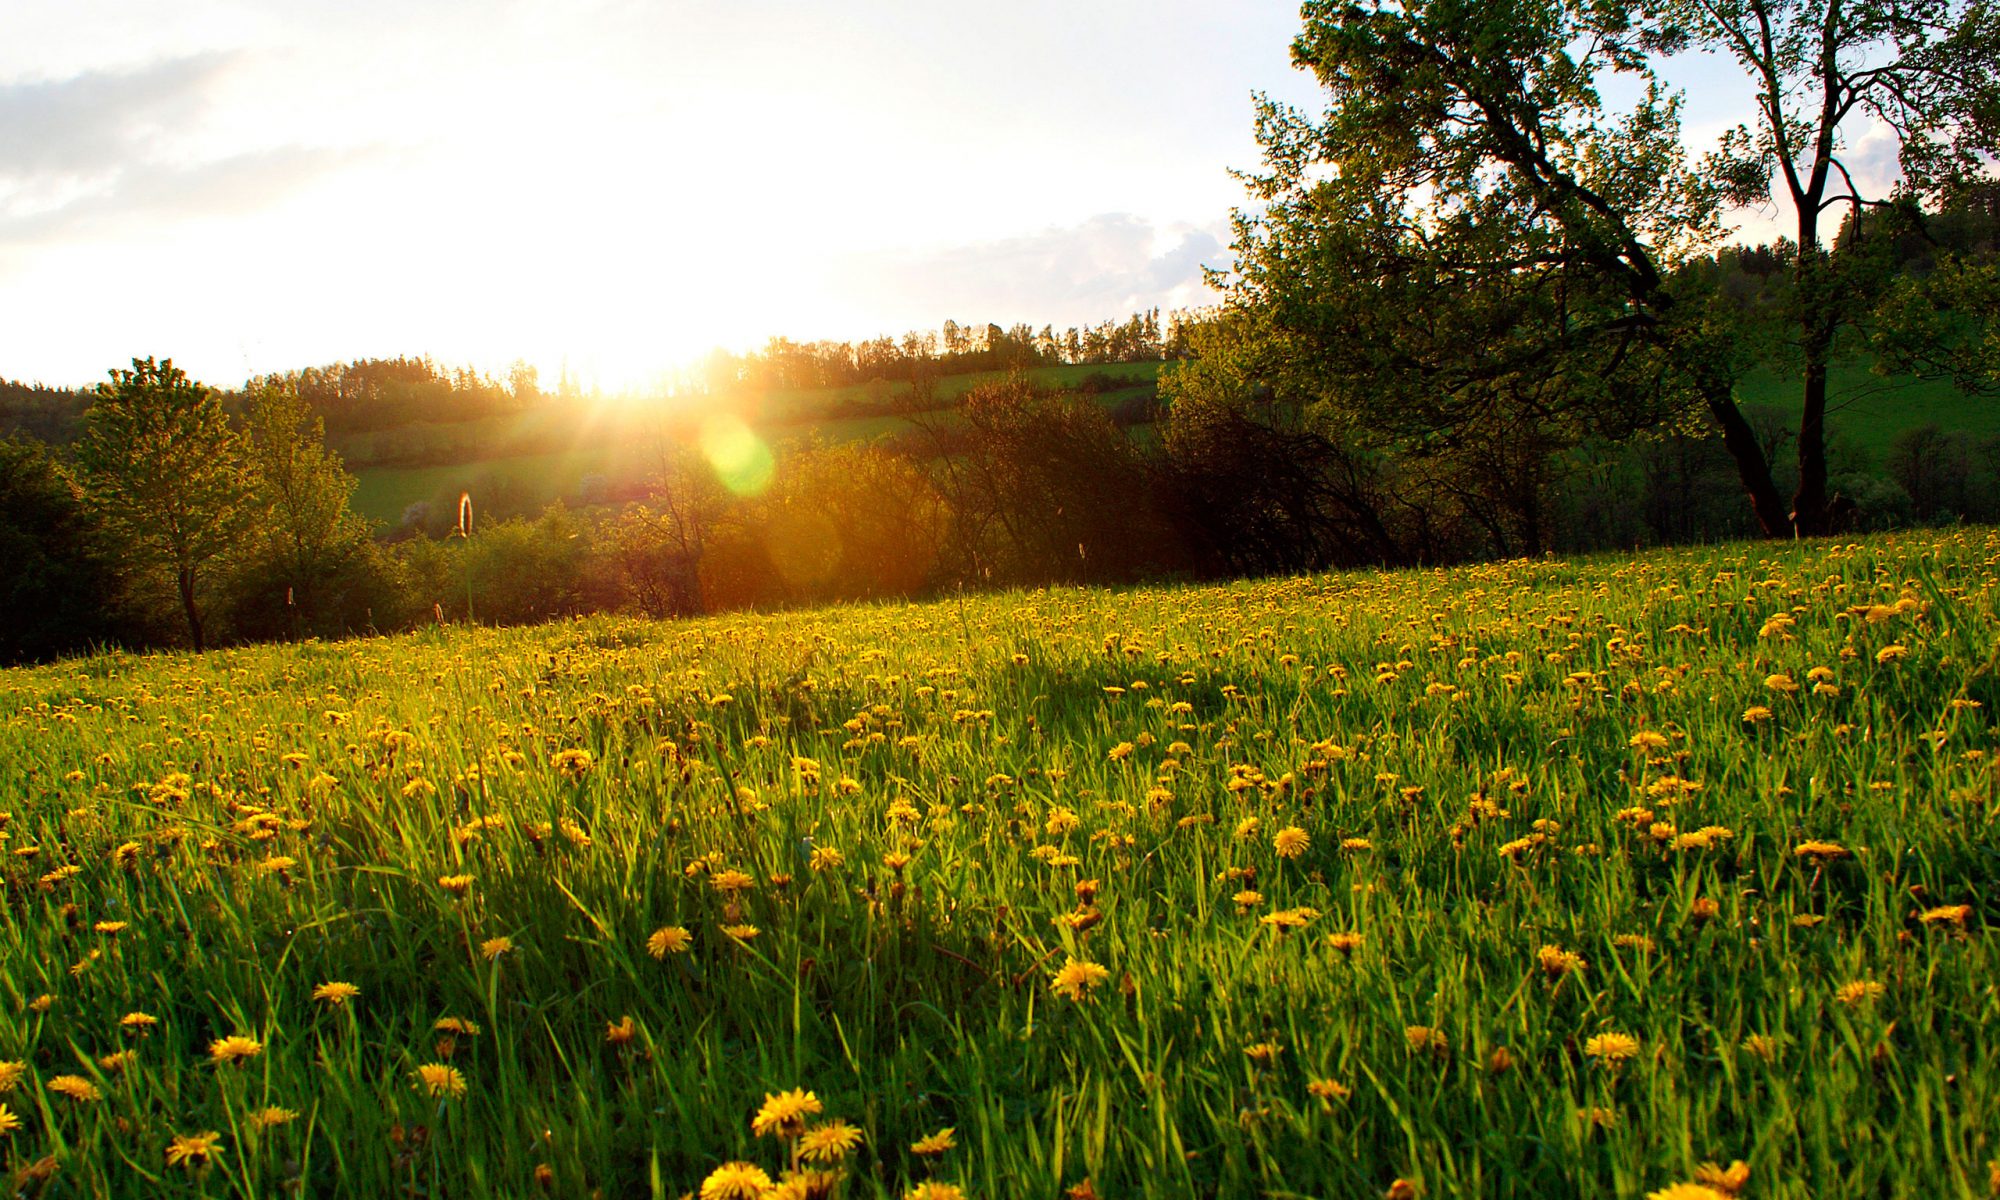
x,y
438,1080
1291,842
193,1150
829,1142
931,1189
1077,977
669,939
730,882
805,1185
1946,914
142,1022
1687,1191
1730,1179
457,885
492,948
76,1088
1264,1054
934,1144
234,1049
272,1117
1820,851
11,1074
335,992
735,1181
1612,1048
1423,1037
8,1121
1557,962
1859,992
783,1114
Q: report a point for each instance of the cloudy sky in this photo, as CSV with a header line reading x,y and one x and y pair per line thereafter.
x,y
621,185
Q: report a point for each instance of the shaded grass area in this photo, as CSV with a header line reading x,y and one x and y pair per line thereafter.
x,y
1735,806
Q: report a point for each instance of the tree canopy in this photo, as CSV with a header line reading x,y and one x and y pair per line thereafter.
x,y
164,469
1485,233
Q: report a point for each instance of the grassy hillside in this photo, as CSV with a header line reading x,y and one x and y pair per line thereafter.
x,y
1529,880
1870,410
542,455
533,458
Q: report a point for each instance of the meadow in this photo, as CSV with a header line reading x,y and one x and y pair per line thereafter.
x,y
1665,875
537,457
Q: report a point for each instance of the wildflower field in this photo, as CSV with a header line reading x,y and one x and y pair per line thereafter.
x,y
1668,875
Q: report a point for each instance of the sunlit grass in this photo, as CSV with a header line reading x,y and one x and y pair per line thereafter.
x,y
1540,879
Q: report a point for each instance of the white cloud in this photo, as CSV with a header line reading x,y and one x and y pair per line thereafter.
x,y
1107,266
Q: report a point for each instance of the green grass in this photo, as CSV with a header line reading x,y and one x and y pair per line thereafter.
x,y
531,459
1459,747
1870,410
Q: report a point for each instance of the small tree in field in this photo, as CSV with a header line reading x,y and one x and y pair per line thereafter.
x,y
163,468
309,532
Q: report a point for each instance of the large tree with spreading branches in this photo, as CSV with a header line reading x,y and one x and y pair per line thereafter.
x,y
1488,227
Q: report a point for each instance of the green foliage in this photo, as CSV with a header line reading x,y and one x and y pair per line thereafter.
x,y
61,590
304,567
166,473
1472,259
523,571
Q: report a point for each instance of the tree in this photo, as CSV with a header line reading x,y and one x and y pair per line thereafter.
x,y
163,468
1923,71
1471,224
61,589
303,566
303,488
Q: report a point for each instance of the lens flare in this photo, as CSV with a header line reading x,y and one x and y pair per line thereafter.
x,y
741,459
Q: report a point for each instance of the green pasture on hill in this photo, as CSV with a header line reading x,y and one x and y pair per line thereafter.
x,y
1871,410
1667,873
1868,411
616,445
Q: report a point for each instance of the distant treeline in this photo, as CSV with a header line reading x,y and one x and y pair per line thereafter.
x,y
370,395
952,350
45,414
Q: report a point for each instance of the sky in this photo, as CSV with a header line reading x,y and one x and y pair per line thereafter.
x,y
612,186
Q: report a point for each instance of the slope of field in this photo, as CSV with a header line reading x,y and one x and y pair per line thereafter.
x,y
533,458
1869,410
1529,880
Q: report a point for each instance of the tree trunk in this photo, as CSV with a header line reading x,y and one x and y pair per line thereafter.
x,y
1809,502
1751,466
185,577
